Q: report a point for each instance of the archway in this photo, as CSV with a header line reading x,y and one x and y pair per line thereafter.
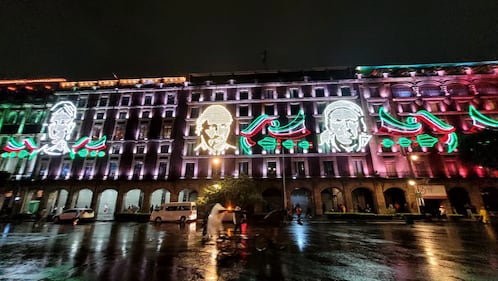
x,y
490,198
332,198
459,199
395,199
362,200
133,200
302,197
83,198
107,204
273,199
187,195
159,197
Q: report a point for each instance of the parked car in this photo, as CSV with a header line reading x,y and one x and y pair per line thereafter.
x,y
75,214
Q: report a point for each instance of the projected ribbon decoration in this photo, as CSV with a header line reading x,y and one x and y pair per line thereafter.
x,y
480,120
412,130
289,136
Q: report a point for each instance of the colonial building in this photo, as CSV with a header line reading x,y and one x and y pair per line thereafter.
x,y
366,139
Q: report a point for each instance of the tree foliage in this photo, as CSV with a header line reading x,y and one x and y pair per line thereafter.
x,y
241,192
480,149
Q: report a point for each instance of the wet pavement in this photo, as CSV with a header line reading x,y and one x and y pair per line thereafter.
x,y
315,250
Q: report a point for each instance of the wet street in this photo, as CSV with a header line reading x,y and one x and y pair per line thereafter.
x,y
316,250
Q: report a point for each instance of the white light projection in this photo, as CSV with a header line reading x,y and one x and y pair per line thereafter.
x,y
345,129
213,127
60,127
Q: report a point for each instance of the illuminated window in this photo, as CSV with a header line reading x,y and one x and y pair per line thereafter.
x,y
36,117
148,100
113,169
137,169
271,169
458,90
97,131
125,100
401,92
190,149
88,170
103,101
12,118
146,114
119,132
168,113
430,91
391,168
165,148
189,170
328,168
243,168
167,128
319,92
194,112
244,95
143,131
358,168
43,171
191,130
195,96
65,169
219,96
100,115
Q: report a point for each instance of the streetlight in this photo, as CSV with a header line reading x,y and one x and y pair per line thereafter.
x,y
216,162
283,179
418,195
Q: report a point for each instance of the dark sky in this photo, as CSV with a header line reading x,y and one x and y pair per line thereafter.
x,y
91,39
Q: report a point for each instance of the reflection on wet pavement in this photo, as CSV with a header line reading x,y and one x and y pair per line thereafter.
x,y
312,251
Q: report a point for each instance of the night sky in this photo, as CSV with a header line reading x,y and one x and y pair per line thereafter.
x,y
92,39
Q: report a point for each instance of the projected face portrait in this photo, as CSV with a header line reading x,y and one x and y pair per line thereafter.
x,y
345,129
60,127
213,127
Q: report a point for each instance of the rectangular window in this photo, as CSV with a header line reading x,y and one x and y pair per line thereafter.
x,y
137,169
100,115
194,112
116,149
295,109
189,170
88,171
125,101
243,110
148,100
165,148
358,168
269,109
168,113
271,169
451,167
319,92
82,102
140,149
167,128
170,99
190,149
345,91
122,115
320,107
269,94
66,168
421,170
391,169
191,130
163,168
195,96
146,114
113,169
103,101
328,168
299,168
293,93
119,132
143,131
219,96
244,95
243,168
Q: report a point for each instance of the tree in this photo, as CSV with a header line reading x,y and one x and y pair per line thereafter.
x,y
480,149
241,192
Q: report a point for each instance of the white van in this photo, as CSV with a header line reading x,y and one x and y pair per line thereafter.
x,y
176,211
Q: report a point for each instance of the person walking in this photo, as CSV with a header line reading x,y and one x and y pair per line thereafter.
x,y
237,219
484,215
299,211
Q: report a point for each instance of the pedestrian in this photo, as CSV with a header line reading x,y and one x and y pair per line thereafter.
x,y
484,215
468,209
298,212
151,208
442,211
237,219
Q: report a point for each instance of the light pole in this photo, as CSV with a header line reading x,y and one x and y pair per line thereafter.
x,y
283,179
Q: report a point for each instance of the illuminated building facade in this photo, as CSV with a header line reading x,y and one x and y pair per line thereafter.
x,y
380,139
